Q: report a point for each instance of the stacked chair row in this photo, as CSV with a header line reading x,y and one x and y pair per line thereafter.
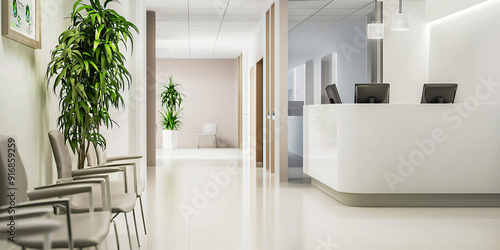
x,y
76,212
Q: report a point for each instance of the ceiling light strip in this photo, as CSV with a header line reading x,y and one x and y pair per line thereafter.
x,y
220,27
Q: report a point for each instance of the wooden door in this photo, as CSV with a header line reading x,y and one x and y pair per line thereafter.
x,y
259,103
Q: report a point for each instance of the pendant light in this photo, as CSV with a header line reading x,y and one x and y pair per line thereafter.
x,y
400,21
375,30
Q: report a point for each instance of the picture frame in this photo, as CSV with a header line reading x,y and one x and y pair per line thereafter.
x,y
21,22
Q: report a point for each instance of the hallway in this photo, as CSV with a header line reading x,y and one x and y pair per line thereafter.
x,y
234,206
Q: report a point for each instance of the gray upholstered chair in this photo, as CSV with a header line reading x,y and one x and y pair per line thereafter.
x,y
78,230
96,157
38,221
139,183
121,202
209,129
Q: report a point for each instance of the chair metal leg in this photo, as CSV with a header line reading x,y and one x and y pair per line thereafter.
x,y
47,244
198,141
128,231
136,231
116,235
142,213
216,143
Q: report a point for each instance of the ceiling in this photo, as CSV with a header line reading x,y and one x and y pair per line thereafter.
x,y
205,28
306,18
220,28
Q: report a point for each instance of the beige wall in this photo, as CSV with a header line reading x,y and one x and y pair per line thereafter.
x,y
211,90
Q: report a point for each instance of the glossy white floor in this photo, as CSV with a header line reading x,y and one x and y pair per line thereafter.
x,y
213,200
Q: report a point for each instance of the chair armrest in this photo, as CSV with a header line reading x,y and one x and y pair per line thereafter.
x,y
108,165
63,189
105,189
58,190
123,158
38,203
96,170
123,166
102,180
27,213
70,183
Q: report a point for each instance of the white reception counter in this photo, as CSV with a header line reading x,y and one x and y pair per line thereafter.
x,y
405,154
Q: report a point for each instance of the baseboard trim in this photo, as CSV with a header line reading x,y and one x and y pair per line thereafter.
x,y
410,200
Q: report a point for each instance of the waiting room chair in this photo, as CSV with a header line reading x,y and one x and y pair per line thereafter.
x,y
209,129
117,186
79,230
29,222
139,183
121,202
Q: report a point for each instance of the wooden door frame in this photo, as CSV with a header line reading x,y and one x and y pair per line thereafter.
x,y
272,100
268,111
252,110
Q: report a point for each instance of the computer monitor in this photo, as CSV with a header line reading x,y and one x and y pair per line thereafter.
x,y
333,94
371,93
439,92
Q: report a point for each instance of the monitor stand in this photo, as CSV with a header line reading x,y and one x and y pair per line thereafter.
x,y
440,100
371,99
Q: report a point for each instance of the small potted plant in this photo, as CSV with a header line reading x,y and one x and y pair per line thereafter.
x,y
171,100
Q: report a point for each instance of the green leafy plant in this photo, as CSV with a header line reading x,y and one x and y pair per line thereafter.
x,y
89,72
171,99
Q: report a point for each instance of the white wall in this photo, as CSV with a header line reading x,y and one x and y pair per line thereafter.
x,y
130,136
29,109
27,105
211,91
406,53
464,48
253,52
437,9
346,38
459,46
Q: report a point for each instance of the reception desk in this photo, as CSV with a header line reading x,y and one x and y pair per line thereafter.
x,y
404,154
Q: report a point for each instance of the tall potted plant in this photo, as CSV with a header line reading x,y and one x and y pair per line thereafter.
x,y
171,100
89,73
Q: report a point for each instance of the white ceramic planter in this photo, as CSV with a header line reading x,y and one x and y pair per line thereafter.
x,y
169,139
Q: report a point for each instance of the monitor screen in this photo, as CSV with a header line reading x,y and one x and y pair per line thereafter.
x,y
439,92
371,93
333,94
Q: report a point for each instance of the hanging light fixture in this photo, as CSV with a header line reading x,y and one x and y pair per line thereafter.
x,y
400,21
375,30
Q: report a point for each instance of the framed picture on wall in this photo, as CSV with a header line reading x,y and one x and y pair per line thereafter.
x,y
21,21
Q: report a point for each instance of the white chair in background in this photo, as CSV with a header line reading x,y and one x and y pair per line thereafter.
x,y
209,129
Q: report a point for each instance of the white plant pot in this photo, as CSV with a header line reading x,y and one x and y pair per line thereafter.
x,y
169,139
